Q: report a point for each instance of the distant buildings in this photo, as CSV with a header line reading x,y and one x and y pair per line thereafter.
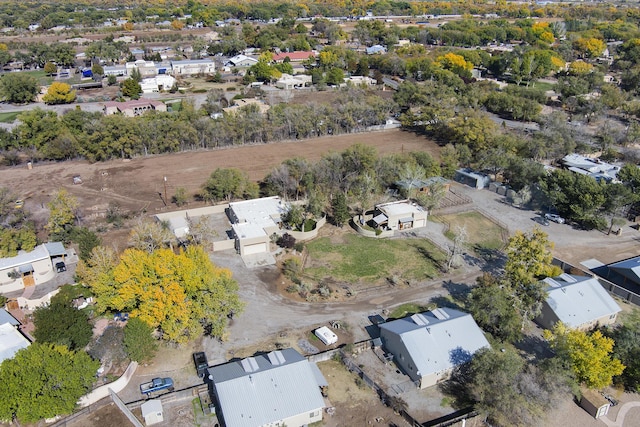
x,y
133,108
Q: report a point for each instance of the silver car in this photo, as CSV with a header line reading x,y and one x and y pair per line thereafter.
x,y
554,218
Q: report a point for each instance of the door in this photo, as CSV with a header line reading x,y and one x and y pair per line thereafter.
x,y
255,249
28,279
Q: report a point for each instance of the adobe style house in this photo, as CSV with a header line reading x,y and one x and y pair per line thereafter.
x,y
400,215
30,268
579,302
254,221
280,388
427,346
133,108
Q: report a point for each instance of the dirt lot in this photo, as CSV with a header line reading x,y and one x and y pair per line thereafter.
x,y
137,185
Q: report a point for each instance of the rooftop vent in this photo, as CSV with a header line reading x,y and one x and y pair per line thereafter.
x,y
249,364
440,314
419,319
276,358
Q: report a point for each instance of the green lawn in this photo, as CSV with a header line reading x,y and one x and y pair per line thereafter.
x,y
409,308
372,260
481,231
40,76
9,117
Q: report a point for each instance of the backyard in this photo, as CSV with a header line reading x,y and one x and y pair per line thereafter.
x,y
355,259
482,233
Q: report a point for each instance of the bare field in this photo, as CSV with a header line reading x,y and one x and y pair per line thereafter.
x,y
138,184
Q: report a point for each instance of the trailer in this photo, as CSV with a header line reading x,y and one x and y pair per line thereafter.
x,y
156,384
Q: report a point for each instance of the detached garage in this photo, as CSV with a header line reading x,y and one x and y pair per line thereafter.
x,y
250,238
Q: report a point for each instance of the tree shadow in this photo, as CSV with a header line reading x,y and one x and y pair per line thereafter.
x,y
534,346
457,386
494,260
440,301
429,257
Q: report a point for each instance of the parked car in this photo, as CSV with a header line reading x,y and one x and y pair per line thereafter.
x,y
541,220
60,267
554,218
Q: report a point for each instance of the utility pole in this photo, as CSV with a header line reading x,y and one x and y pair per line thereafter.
x,y
165,191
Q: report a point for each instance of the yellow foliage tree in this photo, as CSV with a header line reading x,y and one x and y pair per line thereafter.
x,y
59,93
588,354
62,212
580,68
589,47
455,63
557,63
177,25
179,294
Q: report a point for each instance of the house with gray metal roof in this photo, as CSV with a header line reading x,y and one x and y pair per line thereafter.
x,y
579,302
30,268
275,389
427,346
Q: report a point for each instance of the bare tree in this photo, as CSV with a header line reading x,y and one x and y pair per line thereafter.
x,y
456,248
149,235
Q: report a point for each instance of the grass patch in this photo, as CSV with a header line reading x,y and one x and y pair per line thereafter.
x,y
409,308
42,77
9,117
482,233
545,86
361,258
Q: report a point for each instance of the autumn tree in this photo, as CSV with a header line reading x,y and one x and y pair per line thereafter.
x,y
59,93
181,295
62,213
43,381
528,261
587,354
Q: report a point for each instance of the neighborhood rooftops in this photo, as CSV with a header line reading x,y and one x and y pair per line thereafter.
x,y
265,389
592,167
294,56
40,252
579,300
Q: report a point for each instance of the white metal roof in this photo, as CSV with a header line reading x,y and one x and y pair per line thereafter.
x,y
11,340
268,393
437,340
577,300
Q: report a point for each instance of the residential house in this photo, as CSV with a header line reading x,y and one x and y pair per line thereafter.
x,y
423,185
579,302
133,108
427,346
297,56
400,215
241,61
625,273
30,268
288,81
158,83
280,388
192,66
376,49
595,168
146,68
11,341
254,221
360,81
115,70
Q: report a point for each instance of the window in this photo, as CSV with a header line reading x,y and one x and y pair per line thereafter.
x,y
613,316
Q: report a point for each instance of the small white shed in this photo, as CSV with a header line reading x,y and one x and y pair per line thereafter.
x,y
152,412
326,335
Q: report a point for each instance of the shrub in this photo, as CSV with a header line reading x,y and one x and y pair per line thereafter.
x,y
139,341
286,241
292,268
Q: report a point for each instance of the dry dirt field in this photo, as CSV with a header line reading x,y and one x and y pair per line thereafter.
x,y
137,185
